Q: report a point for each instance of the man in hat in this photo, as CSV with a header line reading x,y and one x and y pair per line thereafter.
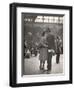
x,y
51,48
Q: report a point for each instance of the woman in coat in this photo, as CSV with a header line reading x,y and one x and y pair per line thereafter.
x,y
43,47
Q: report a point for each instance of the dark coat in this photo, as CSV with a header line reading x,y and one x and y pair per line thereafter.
x,y
58,47
51,41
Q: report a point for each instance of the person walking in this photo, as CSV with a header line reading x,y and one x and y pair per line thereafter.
x,y
51,49
43,49
58,49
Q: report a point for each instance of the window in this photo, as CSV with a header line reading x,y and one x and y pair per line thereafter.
x,y
45,19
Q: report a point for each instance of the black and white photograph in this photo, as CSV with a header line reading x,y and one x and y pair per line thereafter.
x,y
42,44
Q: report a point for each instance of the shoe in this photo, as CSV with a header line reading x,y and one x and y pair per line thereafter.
x,y
57,62
41,68
48,71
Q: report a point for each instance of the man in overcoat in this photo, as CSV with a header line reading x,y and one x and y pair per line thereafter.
x,y
51,48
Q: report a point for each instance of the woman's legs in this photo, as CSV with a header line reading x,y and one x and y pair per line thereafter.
x,y
42,63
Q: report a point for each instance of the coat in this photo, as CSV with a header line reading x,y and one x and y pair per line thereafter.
x,y
51,42
43,48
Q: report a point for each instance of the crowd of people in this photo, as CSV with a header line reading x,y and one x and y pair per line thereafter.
x,y
47,47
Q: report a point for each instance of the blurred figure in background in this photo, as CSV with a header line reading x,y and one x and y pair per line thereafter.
x,y
34,51
25,48
58,49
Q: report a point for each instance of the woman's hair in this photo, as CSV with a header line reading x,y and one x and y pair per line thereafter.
x,y
43,33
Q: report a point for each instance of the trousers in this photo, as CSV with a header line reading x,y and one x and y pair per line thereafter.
x,y
49,60
57,58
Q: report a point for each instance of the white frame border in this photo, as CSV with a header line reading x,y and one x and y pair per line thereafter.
x,y
43,78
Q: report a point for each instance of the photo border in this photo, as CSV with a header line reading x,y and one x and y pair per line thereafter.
x,y
13,44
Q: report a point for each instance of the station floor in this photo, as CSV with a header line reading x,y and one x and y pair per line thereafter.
x,y
31,66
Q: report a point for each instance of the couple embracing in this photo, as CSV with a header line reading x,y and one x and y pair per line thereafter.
x,y
47,49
